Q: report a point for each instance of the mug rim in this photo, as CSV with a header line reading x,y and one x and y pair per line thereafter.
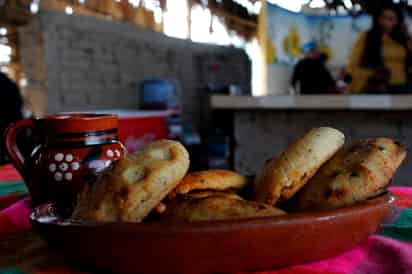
x,y
77,123
76,116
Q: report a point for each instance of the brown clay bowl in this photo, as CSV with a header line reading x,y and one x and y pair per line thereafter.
x,y
209,247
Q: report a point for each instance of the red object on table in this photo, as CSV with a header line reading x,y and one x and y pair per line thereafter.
x,y
138,128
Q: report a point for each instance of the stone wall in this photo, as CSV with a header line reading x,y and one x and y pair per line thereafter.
x,y
83,63
261,135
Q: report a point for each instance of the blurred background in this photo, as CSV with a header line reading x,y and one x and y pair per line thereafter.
x,y
234,80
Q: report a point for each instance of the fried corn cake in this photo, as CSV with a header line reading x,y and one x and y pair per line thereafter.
x,y
135,185
354,174
283,176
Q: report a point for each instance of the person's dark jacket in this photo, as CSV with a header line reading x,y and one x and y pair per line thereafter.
x,y
313,77
11,104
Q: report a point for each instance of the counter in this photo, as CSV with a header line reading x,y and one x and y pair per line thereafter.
x,y
337,102
264,126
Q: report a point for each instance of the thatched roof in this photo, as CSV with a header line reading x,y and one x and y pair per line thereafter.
x,y
369,6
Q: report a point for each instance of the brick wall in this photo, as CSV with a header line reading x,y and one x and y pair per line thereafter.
x,y
83,63
261,135
33,63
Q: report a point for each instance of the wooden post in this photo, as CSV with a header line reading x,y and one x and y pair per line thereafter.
x,y
189,18
262,38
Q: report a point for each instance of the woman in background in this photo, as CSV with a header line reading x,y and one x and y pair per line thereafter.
x,y
384,48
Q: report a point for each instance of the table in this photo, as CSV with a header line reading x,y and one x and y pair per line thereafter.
x,y
389,251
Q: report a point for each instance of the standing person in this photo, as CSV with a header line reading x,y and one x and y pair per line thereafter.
x,y
11,104
310,75
384,48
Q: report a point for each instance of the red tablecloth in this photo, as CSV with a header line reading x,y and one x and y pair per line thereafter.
x,y
9,173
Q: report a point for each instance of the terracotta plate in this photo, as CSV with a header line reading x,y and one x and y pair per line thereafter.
x,y
225,246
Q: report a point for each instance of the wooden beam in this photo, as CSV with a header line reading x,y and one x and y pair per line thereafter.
x,y
234,18
15,12
61,6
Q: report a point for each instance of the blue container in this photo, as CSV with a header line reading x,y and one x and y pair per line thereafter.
x,y
159,94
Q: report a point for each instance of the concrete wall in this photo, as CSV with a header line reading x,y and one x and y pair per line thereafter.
x,y
278,79
34,67
83,63
260,135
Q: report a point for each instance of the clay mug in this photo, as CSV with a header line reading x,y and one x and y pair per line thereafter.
x,y
71,150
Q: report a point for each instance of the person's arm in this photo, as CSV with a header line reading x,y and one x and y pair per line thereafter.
x,y
332,87
326,76
409,64
359,74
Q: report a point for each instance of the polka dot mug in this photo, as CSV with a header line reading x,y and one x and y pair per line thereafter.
x,y
71,150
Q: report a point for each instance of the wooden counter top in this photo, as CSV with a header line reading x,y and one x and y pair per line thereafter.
x,y
338,102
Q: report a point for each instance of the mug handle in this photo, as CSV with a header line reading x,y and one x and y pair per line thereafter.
x,y
10,135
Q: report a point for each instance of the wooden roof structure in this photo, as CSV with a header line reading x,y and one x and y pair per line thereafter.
x,y
237,18
17,12
368,6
